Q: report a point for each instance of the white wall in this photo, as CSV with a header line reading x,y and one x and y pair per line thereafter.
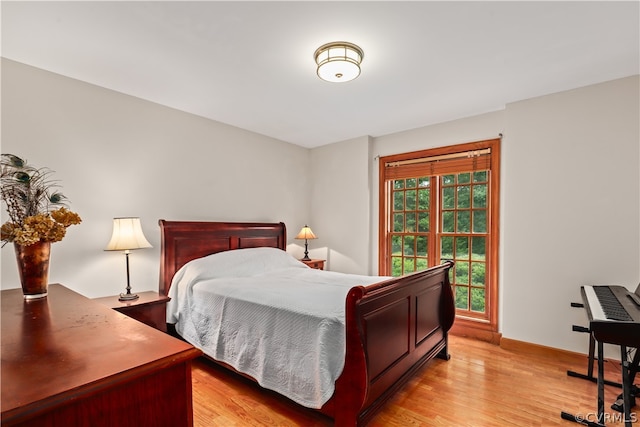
x,y
571,184
340,200
116,155
573,220
570,201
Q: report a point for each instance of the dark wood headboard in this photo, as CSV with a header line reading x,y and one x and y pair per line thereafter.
x,y
183,241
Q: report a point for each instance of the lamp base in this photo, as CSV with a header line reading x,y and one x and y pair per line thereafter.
x,y
127,297
306,258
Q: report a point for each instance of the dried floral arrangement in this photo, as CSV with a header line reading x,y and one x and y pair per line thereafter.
x,y
36,208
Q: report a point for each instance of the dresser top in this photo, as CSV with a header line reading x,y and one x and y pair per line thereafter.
x,y
64,345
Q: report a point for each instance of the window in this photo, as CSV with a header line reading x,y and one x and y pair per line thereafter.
x,y
442,204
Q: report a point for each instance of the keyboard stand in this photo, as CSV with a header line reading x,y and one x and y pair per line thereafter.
x,y
592,345
592,356
600,381
629,371
626,386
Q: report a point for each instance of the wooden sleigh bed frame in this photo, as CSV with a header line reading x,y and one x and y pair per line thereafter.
x,y
392,328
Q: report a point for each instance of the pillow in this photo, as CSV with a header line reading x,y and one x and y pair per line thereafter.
x,y
239,263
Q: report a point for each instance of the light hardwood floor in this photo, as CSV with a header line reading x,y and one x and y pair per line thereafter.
x,y
482,385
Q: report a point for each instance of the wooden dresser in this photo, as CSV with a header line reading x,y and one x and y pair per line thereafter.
x,y
70,361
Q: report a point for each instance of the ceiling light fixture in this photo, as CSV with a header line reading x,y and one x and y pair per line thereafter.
x,y
338,61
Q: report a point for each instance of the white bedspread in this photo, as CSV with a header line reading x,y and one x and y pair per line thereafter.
x,y
269,316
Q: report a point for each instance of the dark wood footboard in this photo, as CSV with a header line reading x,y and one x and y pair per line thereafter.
x,y
393,329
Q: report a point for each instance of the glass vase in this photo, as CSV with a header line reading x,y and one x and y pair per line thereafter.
x,y
33,266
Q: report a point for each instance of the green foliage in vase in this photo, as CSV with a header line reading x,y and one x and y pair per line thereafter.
x,y
35,206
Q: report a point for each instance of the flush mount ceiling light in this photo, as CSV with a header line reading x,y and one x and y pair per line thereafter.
x,y
338,61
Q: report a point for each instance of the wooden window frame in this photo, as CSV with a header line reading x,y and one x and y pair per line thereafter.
x,y
487,327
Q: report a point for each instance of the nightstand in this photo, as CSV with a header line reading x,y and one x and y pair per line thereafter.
x,y
314,263
150,308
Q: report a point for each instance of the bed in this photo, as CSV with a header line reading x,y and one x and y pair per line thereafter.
x,y
388,328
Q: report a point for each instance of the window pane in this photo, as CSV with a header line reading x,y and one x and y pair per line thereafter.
x,y
411,201
409,265
447,222
477,300
398,223
480,196
421,246
396,245
408,245
478,273
448,179
463,222
462,248
396,266
423,199
462,298
398,184
480,221
464,178
421,264
423,222
448,198
446,248
462,273
411,183
398,200
464,197
478,248
424,181
411,222
480,176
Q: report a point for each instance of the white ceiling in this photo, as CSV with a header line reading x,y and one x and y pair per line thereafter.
x,y
250,64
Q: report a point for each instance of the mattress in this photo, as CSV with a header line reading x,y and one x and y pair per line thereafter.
x,y
269,316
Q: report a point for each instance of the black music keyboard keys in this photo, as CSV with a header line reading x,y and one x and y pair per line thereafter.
x,y
611,306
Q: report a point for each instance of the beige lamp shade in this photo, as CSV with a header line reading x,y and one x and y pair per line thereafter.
x,y
127,235
306,233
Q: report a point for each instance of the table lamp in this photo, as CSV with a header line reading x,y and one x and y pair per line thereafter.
x,y
306,234
127,236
